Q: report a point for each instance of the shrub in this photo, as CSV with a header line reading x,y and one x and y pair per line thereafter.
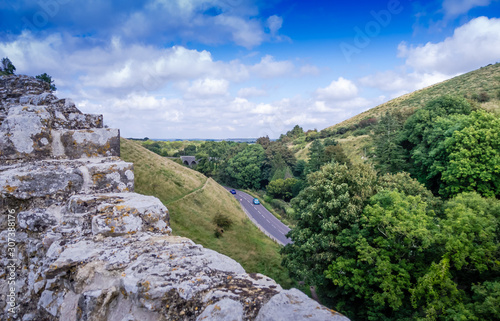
x,y
222,221
483,97
367,122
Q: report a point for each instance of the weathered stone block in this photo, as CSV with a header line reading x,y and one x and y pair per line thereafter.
x,y
30,181
115,214
97,142
111,177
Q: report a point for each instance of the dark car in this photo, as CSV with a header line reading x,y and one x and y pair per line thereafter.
x,y
256,201
233,191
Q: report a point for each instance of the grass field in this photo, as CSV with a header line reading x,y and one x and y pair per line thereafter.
x,y
193,201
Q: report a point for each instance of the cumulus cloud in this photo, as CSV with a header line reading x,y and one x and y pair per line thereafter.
x,y
251,92
472,45
246,33
202,88
457,7
274,24
401,82
268,67
341,89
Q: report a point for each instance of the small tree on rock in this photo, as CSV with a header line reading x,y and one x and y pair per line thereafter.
x,y
47,79
7,67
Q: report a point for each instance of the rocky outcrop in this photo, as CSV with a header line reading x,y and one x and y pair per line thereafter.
x,y
79,244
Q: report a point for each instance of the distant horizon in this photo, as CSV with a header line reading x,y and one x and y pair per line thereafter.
x,y
194,139
244,68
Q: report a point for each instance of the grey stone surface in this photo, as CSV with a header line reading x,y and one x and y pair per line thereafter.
x,y
293,305
88,248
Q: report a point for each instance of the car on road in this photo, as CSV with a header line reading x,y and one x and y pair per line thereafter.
x,y
233,191
256,201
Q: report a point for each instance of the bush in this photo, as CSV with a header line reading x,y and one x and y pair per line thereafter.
x,y
367,122
360,132
483,97
222,221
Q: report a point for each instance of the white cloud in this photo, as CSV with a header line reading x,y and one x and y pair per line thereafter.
x,y
401,82
246,33
268,67
251,92
341,89
472,45
458,7
207,87
274,24
309,70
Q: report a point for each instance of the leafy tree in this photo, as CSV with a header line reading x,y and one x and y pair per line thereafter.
x,y
282,188
460,153
190,149
264,141
299,168
245,169
417,143
336,153
316,156
47,79
407,185
7,67
388,152
332,201
465,282
389,252
297,131
473,155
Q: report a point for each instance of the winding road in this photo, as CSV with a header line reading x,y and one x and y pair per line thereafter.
x,y
261,217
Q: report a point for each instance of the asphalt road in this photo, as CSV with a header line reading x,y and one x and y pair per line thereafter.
x,y
263,217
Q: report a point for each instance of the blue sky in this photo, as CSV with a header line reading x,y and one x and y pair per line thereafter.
x,y
238,68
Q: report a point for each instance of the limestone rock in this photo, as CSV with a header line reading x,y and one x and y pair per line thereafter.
x,y
87,248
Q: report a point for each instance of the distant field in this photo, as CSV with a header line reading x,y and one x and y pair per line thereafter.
x,y
193,200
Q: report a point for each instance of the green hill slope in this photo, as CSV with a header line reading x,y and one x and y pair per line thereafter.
x,y
193,201
481,87
477,85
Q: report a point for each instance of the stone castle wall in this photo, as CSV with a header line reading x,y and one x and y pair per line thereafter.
x,y
78,244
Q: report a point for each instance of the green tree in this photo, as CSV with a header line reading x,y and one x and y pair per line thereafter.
x,y
388,153
465,282
332,201
389,252
245,169
419,136
281,188
297,131
336,153
473,156
407,185
47,79
316,156
7,67
300,168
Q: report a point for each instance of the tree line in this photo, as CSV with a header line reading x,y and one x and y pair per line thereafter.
x,y
414,233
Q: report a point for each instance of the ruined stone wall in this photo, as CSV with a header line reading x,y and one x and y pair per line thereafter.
x,y
78,244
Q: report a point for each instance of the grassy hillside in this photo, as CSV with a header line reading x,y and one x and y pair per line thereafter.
x,y
193,201
483,83
481,87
